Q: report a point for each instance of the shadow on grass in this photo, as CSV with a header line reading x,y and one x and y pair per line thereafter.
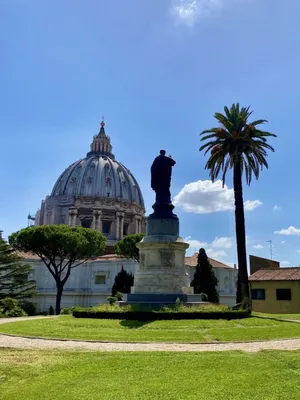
x,y
276,319
133,324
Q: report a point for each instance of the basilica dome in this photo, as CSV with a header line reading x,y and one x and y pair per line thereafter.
x,y
99,174
96,192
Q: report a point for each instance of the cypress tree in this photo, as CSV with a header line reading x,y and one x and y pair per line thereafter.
x,y
205,280
123,282
14,281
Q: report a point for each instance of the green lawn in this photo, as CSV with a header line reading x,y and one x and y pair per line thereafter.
x,y
253,328
48,375
280,316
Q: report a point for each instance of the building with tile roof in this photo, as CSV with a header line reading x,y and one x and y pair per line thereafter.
x,y
276,290
91,283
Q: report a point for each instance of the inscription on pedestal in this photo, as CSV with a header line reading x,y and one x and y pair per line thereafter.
x,y
167,258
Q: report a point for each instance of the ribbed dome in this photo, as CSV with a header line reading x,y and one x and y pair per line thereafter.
x,y
99,174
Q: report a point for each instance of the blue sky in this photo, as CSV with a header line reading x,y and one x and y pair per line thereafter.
x,y
157,70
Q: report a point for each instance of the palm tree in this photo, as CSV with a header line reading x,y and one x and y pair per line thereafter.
x,y
239,145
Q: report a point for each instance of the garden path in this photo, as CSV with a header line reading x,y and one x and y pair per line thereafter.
x,y
21,342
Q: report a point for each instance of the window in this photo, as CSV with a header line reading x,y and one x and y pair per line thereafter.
x,y
125,229
100,280
283,294
258,294
106,228
86,222
226,282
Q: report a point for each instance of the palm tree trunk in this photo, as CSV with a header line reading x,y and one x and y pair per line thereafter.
x,y
240,232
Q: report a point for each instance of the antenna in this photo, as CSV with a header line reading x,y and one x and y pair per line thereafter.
x,y
271,248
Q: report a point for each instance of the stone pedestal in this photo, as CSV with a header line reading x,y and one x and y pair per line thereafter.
x,y
162,277
161,268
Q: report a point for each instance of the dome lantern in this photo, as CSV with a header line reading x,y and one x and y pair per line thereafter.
x,y
101,143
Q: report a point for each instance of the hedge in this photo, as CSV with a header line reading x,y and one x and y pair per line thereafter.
x,y
160,315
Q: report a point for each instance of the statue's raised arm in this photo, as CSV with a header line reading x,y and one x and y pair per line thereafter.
x,y
161,172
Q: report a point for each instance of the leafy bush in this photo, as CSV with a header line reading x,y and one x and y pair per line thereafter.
x,y
16,312
172,312
10,307
28,307
119,296
111,299
51,310
68,311
44,313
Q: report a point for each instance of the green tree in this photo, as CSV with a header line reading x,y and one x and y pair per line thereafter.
x,y
204,280
123,282
14,281
239,145
126,247
61,248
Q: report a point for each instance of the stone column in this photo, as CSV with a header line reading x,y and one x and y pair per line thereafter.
x,y
118,233
137,223
121,225
73,212
96,219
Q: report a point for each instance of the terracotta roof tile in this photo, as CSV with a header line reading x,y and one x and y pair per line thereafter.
x,y
192,262
110,257
27,256
279,274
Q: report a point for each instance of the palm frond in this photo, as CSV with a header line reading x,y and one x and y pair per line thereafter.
x,y
239,141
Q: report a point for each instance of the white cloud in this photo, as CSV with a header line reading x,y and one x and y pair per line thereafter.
x,y
250,205
276,208
258,246
213,249
291,230
203,197
283,242
222,243
285,262
195,244
189,11
217,254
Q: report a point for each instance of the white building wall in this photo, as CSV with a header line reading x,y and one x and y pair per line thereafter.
x,y
81,289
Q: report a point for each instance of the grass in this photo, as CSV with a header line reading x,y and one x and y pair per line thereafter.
x,y
189,331
48,375
279,316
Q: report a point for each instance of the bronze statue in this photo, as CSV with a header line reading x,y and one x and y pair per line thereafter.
x,y
161,171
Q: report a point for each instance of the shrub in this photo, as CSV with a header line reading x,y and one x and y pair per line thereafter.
x,y
43,313
10,307
175,312
28,307
51,310
111,299
123,282
119,296
15,312
68,311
